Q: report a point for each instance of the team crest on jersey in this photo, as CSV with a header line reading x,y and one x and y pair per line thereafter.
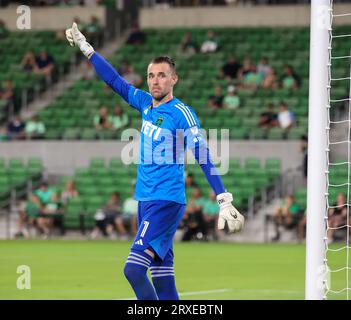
x,y
159,121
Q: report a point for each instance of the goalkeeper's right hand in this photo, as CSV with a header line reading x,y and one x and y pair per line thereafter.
x,y
228,213
75,37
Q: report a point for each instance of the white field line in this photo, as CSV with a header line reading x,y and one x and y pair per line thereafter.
x,y
228,290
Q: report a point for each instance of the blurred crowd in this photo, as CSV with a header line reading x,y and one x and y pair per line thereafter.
x,y
43,63
201,214
17,129
43,214
288,215
45,211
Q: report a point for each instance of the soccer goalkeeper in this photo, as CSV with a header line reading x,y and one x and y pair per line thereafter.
x,y
160,187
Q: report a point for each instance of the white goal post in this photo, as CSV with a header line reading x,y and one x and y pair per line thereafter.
x,y
317,145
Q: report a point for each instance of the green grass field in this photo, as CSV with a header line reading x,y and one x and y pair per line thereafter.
x,y
94,270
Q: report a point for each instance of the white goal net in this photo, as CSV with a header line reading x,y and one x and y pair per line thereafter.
x,y
337,214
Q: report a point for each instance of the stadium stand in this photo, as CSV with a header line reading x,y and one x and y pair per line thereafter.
x,y
27,84
198,76
252,181
19,177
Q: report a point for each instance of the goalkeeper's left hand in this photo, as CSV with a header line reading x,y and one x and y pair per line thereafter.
x,y
75,37
228,213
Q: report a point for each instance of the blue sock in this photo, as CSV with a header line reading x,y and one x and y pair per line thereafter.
x,y
164,283
135,271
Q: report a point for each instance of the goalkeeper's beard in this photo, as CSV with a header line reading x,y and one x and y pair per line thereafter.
x,y
159,97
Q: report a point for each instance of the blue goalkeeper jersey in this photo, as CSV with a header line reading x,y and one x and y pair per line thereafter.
x,y
167,130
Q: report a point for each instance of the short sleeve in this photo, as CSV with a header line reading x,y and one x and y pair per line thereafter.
x,y
189,122
139,99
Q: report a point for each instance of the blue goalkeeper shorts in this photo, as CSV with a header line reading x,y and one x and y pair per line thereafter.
x,y
157,224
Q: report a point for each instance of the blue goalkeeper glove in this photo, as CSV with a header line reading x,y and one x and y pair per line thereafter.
x,y
228,213
75,37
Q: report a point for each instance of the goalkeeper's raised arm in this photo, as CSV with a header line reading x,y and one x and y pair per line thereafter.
x,y
105,71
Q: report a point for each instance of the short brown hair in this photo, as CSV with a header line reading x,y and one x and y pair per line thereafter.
x,y
165,59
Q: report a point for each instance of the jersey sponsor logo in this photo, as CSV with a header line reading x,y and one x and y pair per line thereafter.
x,y
149,129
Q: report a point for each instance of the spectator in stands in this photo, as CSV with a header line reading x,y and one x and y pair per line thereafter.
x,y
289,80
119,119
269,118
124,67
337,216
217,98
106,217
136,37
87,71
112,210
128,217
103,120
211,104
193,217
45,64
132,77
23,221
270,80
210,45
43,203
69,192
80,24
247,68
304,151
28,63
301,228
94,31
7,93
35,129
15,128
287,215
4,32
286,118
230,70
231,100
210,214
248,76
52,214
187,45
263,67
190,181
3,135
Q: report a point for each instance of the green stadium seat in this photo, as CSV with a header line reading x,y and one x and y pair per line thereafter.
x,y
97,163
88,134
275,134
71,134
273,167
